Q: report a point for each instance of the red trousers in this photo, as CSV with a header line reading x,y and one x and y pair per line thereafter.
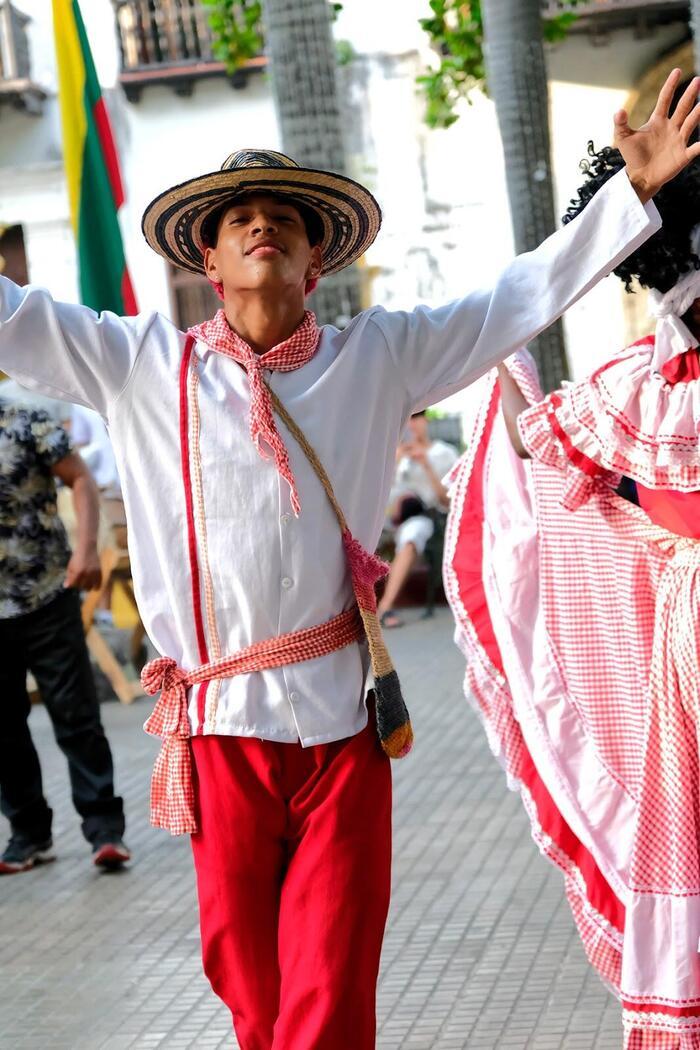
x,y
293,862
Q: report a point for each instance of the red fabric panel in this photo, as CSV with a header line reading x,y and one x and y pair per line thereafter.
x,y
191,531
656,1007
293,861
598,890
469,548
678,512
683,368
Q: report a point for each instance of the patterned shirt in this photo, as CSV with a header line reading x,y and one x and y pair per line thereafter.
x,y
34,549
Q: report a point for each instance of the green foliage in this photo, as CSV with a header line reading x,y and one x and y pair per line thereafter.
x,y
236,27
344,52
456,31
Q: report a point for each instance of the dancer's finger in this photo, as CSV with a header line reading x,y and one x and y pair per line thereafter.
x,y
663,102
690,123
686,102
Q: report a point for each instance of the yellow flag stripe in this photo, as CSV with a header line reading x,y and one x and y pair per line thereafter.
x,y
71,84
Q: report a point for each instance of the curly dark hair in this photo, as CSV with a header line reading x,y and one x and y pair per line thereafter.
x,y
667,255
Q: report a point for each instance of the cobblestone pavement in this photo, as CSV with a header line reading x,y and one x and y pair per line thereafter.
x,y
480,953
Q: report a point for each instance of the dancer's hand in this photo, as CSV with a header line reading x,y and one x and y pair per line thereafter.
x,y
659,150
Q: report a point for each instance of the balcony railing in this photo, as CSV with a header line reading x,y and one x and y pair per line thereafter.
x,y
16,85
168,42
613,7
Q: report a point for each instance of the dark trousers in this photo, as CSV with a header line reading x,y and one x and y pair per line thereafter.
x,y
50,643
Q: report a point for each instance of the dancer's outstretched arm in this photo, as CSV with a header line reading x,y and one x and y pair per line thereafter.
x,y
66,351
437,352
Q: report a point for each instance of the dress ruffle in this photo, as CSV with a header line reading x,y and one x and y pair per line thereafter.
x,y
625,419
581,476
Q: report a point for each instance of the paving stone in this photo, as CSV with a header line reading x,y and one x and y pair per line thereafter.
x,y
480,951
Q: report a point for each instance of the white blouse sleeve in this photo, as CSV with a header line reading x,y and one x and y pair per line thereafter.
x,y
440,351
66,351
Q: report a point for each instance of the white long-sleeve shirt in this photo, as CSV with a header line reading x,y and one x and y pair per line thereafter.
x,y
272,573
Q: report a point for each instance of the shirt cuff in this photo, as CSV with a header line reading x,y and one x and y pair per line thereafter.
x,y
651,212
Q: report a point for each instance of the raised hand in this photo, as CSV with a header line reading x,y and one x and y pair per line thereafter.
x,y
659,150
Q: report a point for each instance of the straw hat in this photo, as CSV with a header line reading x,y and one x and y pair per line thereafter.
x,y
351,217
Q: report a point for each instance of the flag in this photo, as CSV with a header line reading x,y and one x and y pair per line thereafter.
x,y
92,168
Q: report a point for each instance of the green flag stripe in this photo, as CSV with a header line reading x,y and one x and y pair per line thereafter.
x,y
100,249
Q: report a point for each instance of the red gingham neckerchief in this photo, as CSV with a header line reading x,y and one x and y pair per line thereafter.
x,y
285,357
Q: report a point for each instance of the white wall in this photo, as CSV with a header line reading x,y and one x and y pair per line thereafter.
x,y
163,139
446,220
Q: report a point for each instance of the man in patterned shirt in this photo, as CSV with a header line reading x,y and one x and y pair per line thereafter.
x,y
41,631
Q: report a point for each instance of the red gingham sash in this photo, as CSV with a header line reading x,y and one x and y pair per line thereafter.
x,y
172,794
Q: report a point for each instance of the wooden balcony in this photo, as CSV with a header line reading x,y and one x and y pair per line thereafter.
x,y
16,86
169,42
618,13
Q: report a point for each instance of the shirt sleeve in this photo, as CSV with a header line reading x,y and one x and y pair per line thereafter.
x,y
439,351
66,351
51,441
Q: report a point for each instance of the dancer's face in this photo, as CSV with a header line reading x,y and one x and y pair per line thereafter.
x,y
262,245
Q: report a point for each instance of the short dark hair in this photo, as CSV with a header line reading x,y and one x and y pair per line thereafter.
x,y
313,223
421,413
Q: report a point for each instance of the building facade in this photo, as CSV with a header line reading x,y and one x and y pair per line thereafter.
x,y
176,114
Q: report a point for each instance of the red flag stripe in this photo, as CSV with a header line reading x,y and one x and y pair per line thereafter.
x,y
109,151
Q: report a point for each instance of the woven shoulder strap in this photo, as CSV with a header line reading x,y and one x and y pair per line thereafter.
x,y
393,721
316,464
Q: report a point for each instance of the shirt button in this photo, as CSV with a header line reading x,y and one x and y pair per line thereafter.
x,y
287,583
285,519
294,697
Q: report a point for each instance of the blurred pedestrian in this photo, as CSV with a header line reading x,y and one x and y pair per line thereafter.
x,y
89,436
41,631
418,499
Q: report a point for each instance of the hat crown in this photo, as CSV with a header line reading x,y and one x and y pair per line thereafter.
x,y
257,158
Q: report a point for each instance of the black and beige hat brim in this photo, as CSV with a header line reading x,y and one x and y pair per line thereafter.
x,y
351,217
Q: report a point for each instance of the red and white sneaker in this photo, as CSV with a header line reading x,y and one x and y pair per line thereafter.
x,y
21,855
110,855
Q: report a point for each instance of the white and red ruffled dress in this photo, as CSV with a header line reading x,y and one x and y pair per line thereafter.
x,y
578,613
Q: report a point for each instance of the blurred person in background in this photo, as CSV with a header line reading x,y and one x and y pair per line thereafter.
x,y
41,631
90,437
417,497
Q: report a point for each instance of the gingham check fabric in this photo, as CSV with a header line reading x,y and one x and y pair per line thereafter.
x,y
620,597
172,795
286,357
627,420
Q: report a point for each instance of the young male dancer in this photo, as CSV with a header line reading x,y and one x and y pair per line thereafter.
x,y
256,455
580,623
